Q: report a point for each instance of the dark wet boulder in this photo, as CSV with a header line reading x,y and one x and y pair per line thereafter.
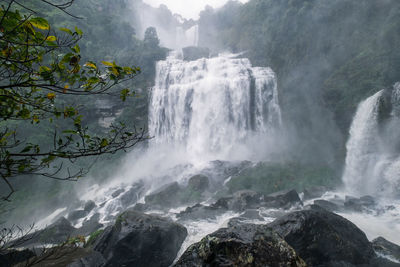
x,y
191,53
138,239
240,201
92,259
314,192
198,183
282,199
359,204
200,211
323,238
386,248
56,233
89,206
89,226
329,206
76,215
166,196
12,257
132,195
241,245
117,192
65,255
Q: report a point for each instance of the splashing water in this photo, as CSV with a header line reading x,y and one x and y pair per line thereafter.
x,y
373,158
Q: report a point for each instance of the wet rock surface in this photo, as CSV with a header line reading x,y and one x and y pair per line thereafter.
x,y
241,245
56,233
322,238
12,257
199,211
329,206
138,239
199,183
282,199
386,248
359,204
314,192
166,196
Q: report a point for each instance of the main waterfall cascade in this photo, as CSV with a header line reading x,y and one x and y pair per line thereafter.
x,y
373,158
212,106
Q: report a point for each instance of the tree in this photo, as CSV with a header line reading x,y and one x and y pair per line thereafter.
x,y
151,37
42,79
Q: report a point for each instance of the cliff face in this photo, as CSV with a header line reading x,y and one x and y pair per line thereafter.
x,y
328,56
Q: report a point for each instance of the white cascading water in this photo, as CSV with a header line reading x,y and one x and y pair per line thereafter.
x,y
212,106
372,164
362,147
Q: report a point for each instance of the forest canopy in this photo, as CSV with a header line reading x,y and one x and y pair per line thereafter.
x,y
42,82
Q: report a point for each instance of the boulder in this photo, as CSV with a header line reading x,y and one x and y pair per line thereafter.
x,y
13,257
166,196
66,255
76,215
359,204
89,226
282,199
93,259
198,183
329,206
386,248
138,239
89,206
191,53
199,211
240,201
132,195
241,245
314,192
118,192
323,238
56,233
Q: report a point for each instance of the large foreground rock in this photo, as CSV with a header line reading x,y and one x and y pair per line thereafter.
x,y
322,238
12,257
138,239
241,245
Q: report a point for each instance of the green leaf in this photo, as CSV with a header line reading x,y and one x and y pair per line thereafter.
x,y
40,23
108,63
26,149
90,65
78,31
66,30
104,142
51,38
76,49
44,69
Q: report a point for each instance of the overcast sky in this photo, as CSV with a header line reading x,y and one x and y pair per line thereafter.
x,y
187,8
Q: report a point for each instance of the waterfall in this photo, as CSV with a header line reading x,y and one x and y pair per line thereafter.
x,y
373,158
212,106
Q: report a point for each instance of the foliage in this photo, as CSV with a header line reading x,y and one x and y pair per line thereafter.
x,y
272,177
328,56
42,75
93,237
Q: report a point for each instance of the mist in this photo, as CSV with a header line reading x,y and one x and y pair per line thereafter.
x,y
253,112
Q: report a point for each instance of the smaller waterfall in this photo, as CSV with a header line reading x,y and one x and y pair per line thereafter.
x,y
373,158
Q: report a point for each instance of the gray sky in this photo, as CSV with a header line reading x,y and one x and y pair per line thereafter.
x,y
188,8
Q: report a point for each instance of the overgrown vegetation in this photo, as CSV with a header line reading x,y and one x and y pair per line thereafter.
x,y
267,178
328,56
